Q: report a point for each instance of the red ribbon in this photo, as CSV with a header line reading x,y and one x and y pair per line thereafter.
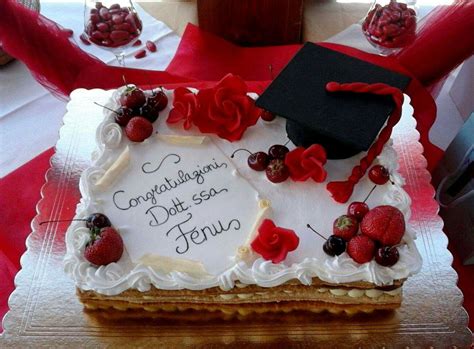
x,y
341,191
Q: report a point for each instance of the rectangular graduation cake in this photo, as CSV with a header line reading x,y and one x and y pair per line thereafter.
x,y
200,200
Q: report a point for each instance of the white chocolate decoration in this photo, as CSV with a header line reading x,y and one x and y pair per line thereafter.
x,y
244,251
115,170
169,264
178,139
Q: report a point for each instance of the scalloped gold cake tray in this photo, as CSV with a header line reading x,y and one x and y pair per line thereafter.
x,y
45,311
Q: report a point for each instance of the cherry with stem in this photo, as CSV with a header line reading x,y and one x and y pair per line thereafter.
x,y
94,220
256,161
379,176
122,116
334,245
109,109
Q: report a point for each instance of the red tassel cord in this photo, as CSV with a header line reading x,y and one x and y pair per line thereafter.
x,y
341,191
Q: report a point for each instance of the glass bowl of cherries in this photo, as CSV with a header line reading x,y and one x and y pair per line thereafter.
x,y
112,24
390,25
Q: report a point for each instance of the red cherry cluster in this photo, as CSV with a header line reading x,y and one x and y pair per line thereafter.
x,y
377,235
137,112
273,162
392,25
360,230
112,26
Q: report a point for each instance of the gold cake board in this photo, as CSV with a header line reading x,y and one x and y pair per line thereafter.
x,y
45,312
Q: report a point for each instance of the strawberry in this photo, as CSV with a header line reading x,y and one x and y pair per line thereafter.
x,y
138,129
345,226
385,224
106,246
361,249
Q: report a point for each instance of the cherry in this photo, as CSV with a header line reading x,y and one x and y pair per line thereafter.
x,y
94,220
160,100
123,116
149,110
267,115
387,256
97,220
334,245
379,174
132,97
257,161
278,151
358,210
277,171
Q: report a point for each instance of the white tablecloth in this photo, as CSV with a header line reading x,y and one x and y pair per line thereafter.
x,y
30,117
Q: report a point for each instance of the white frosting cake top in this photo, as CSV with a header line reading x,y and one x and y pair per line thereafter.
x,y
187,211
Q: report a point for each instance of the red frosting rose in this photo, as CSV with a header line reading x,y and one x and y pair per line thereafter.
x,y
185,107
307,163
273,242
225,109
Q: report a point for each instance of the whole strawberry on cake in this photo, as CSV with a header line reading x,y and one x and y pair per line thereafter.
x,y
220,200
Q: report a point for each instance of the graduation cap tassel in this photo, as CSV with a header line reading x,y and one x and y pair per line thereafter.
x,y
341,191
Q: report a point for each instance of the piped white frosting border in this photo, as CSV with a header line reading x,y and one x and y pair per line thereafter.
x,y
117,277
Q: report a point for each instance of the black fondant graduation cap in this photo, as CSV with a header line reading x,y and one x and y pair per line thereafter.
x,y
344,123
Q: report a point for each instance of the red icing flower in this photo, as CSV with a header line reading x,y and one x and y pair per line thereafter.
x,y
307,163
185,107
225,109
273,242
